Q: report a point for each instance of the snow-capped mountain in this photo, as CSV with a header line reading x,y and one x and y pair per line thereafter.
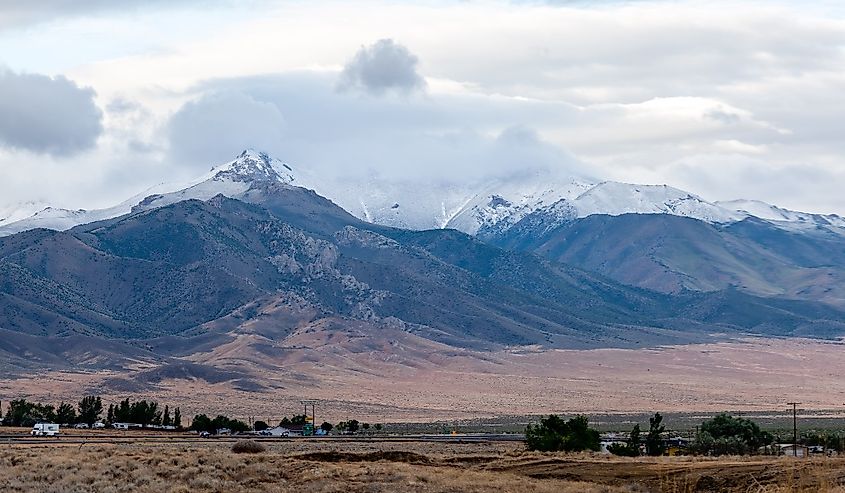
x,y
481,207
499,204
14,212
230,179
785,218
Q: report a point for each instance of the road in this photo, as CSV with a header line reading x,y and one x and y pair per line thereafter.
x,y
186,438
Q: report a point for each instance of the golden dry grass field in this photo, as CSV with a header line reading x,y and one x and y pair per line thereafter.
x,y
325,466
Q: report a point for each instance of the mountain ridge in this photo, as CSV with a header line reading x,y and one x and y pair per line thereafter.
x,y
488,206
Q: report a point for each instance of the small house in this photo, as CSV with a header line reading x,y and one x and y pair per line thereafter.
x,y
791,450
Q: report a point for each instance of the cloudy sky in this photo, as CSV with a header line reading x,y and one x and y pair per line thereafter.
x,y
100,100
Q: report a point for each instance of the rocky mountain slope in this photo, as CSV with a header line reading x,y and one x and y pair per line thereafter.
x,y
656,237
197,280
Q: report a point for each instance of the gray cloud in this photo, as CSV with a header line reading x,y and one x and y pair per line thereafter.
x,y
220,125
15,14
441,139
47,115
381,67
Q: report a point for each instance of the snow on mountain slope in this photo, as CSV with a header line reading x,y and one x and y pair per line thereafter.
x,y
10,213
496,205
482,206
62,219
230,179
786,218
435,205
615,199
502,204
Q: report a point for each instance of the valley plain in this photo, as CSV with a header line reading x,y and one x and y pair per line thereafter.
x,y
395,384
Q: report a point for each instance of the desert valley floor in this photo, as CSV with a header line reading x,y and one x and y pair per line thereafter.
x,y
747,374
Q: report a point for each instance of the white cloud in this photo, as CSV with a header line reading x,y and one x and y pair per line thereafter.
x,y
658,92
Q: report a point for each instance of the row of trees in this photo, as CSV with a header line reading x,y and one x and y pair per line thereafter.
x,y
89,411
144,413
201,423
350,426
24,413
721,435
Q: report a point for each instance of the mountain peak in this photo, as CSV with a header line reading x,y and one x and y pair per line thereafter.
x,y
251,166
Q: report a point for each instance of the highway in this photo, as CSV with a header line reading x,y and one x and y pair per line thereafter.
x,y
187,438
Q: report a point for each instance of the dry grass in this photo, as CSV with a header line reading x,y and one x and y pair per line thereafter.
x,y
354,467
214,469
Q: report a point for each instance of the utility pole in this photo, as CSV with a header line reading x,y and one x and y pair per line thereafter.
x,y
794,427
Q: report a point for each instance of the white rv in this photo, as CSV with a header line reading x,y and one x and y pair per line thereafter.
x,y
45,430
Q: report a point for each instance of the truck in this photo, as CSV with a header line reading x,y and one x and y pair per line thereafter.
x,y
45,430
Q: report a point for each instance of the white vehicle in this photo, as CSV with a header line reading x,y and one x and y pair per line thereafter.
x,y
45,430
81,426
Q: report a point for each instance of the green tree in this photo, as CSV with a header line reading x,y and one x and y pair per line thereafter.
x,y
725,434
260,426
553,433
365,426
123,412
23,413
352,425
378,427
201,422
234,425
65,414
629,449
326,426
19,413
177,418
90,409
165,418
654,445
110,414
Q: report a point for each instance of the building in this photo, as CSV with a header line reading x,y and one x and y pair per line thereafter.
x,y
791,450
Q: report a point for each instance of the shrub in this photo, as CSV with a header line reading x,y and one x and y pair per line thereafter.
x,y
248,447
726,435
554,434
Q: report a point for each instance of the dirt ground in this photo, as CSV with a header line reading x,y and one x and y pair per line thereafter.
x,y
387,467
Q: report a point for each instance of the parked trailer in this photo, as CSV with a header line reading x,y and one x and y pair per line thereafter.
x,y
45,430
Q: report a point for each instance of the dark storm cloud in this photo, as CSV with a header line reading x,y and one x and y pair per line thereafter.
x,y
381,67
47,114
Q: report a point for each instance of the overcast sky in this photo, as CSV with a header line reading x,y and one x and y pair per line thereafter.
x,y
726,100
